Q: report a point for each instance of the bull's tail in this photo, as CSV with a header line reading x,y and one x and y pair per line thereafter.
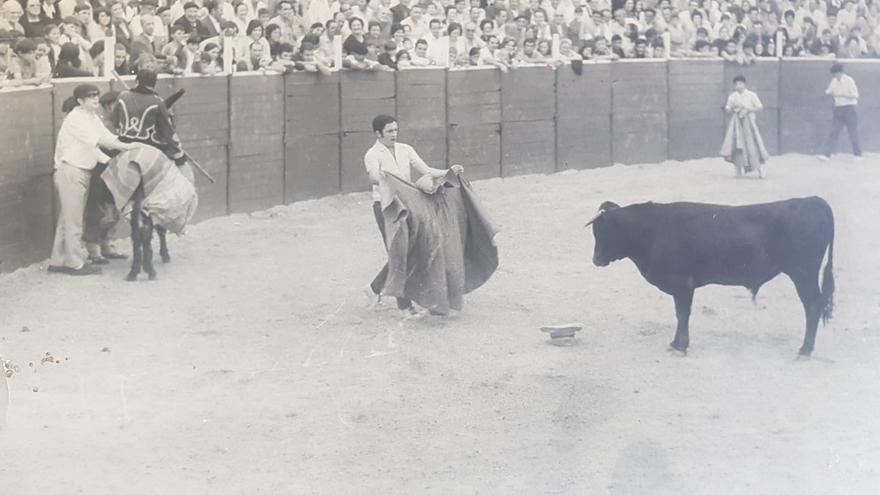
x,y
828,278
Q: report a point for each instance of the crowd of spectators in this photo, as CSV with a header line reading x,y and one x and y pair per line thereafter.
x,y
42,39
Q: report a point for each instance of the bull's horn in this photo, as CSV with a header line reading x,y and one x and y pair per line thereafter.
x,y
595,217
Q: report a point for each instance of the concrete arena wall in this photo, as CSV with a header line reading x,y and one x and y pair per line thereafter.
x,y
272,139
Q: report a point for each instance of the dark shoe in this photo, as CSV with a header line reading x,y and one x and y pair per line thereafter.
x,y
98,260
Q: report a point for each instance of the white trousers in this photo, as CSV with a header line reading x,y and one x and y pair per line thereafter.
x,y
72,186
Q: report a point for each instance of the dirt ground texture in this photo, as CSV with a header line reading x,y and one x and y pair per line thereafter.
x,y
251,366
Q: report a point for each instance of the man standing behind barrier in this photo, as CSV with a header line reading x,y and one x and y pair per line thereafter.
x,y
388,156
846,96
76,154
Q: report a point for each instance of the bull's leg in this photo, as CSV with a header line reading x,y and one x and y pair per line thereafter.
x,y
136,242
163,245
683,300
148,247
808,290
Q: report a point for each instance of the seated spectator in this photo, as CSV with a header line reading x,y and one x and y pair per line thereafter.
x,y
307,58
357,59
658,49
487,54
617,46
586,52
10,16
566,51
175,51
420,55
34,20
387,58
402,60
273,37
825,45
45,64
601,51
69,63
191,24
507,53
544,48
209,61
852,49
121,61
474,57
356,37
103,25
640,49
256,59
529,54
284,62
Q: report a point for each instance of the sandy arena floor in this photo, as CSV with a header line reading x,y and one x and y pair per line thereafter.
x,y
252,367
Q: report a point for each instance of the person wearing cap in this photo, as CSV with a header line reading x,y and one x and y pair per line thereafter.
x,y
845,93
141,116
191,23
76,155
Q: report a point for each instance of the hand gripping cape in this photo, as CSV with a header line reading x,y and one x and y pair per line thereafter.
x,y
440,244
170,197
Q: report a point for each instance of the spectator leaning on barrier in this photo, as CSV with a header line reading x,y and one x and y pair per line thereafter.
x,y
76,154
845,94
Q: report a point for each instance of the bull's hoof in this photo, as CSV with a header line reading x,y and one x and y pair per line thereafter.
x,y
804,354
131,277
166,258
676,347
153,276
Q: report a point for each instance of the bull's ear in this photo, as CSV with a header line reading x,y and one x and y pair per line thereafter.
x,y
609,206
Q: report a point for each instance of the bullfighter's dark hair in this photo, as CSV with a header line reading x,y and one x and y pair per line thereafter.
x,y
739,78
380,121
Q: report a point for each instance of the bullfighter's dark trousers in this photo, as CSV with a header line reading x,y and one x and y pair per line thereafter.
x,y
844,116
101,213
379,282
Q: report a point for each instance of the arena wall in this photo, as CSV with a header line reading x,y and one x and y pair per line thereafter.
x,y
269,139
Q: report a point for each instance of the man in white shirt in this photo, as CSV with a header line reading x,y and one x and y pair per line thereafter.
x,y
846,96
76,154
438,45
388,156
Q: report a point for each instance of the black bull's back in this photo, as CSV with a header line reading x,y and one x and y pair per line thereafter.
x,y
681,246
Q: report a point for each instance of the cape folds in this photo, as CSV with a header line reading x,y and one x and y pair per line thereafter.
x,y
440,245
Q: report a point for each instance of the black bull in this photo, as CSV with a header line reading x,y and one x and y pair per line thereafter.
x,y
678,247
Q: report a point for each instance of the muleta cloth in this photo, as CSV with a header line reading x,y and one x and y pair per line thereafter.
x,y
743,145
170,197
440,241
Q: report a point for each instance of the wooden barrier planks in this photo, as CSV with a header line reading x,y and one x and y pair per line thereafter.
x,y
639,103
474,119
256,147
695,115
528,111
312,136
26,189
583,117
